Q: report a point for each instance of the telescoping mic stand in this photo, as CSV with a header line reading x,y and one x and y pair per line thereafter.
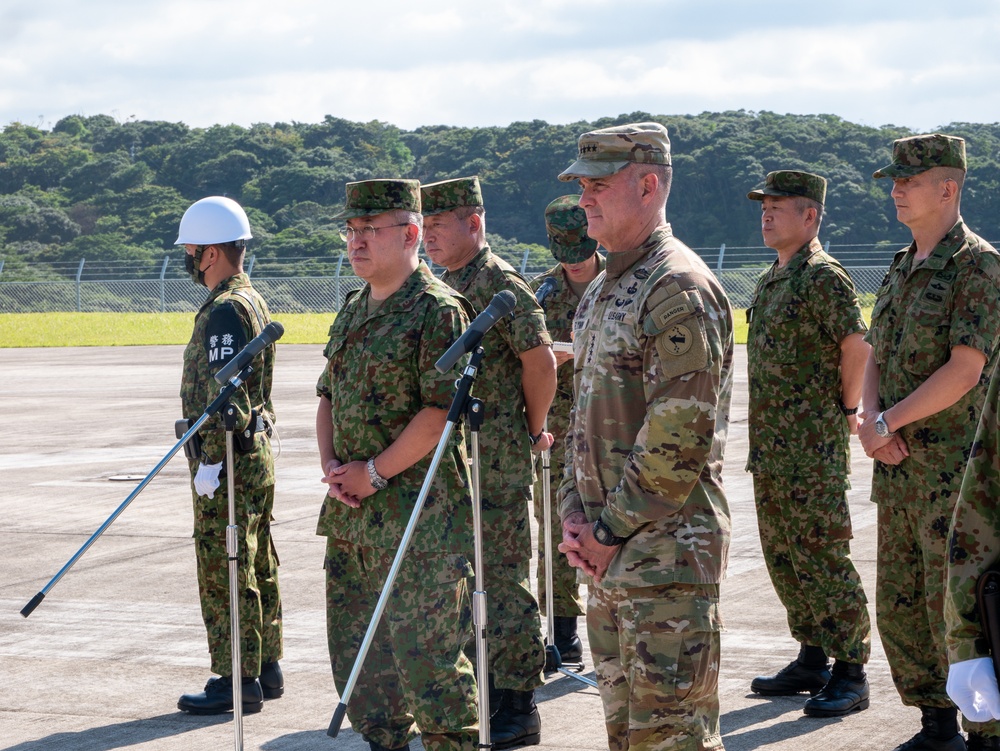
x,y
462,405
233,375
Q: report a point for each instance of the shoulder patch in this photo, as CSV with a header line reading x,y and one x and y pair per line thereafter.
x,y
663,312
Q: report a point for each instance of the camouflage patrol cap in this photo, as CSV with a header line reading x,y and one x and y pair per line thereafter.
x,y
916,154
370,197
566,225
450,194
791,183
609,150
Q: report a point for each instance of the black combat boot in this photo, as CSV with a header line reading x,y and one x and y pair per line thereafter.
x,y
980,742
272,682
379,747
807,672
516,722
567,641
938,732
218,697
846,692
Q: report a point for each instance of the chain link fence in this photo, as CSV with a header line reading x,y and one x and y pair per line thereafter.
x,y
168,289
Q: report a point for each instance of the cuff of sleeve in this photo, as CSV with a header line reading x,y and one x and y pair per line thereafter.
x,y
570,504
967,649
618,526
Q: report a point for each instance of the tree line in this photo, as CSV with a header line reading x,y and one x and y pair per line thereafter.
x,y
96,188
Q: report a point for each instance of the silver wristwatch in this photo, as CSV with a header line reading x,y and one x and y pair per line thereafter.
x,y
881,429
378,482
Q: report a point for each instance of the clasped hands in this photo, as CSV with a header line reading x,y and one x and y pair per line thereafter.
x,y
582,550
889,449
349,483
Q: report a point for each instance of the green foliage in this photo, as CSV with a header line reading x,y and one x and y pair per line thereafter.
x,y
97,188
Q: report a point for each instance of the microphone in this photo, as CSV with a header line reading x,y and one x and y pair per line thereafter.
x,y
547,288
502,304
271,333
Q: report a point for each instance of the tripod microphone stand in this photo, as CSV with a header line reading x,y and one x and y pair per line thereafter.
x,y
463,405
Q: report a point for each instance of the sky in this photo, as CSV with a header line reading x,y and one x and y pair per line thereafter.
x,y
916,64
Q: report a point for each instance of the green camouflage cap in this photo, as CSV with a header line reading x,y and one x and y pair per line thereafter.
x,y
370,197
609,150
450,194
791,183
916,154
566,225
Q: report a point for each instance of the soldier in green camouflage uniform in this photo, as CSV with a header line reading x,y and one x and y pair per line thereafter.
x,y
516,381
642,503
382,410
806,358
973,549
934,338
214,231
562,286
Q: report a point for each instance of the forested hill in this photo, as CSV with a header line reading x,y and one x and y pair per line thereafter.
x,y
106,190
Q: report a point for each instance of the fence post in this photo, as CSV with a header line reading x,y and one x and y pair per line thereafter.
x,y
79,275
722,254
338,295
1,265
163,285
524,261
250,265
826,247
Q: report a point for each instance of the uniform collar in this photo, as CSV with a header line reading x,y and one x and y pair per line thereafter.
x,y
403,298
462,278
797,261
950,244
620,262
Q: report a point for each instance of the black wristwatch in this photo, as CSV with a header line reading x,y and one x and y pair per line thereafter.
x,y
535,438
847,411
604,535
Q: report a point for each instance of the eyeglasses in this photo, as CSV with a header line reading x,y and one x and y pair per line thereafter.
x,y
367,232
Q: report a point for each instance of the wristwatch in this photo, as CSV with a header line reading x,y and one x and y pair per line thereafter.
x,y
846,412
378,482
881,429
535,438
604,535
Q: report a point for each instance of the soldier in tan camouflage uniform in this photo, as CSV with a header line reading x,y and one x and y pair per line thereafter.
x,y
934,338
642,503
562,286
806,358
214,232
516,381
382,409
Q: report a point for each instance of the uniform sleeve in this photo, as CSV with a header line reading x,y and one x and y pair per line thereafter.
x,y
568,499
974,322
684,369
324,387
974,544
226,334
443,325
833,301
527,328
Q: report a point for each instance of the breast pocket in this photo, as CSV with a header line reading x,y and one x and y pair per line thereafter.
x,y
924,345
776,330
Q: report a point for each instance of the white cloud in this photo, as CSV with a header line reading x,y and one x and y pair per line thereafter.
x,y
220,61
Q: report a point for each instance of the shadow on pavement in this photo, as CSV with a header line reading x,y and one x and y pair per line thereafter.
x,y
123,734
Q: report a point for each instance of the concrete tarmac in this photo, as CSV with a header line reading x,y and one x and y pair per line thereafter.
x,y
101,662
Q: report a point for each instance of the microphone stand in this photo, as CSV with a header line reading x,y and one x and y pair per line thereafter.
x,y
462,405
234,383
232,553
553,660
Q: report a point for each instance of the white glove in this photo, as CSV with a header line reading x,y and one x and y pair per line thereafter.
x,y
206,481
972,685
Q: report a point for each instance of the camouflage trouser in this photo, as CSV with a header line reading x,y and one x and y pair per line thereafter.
x,y
260,600
909,603
566,600
514,631
415,677
805,533
656,655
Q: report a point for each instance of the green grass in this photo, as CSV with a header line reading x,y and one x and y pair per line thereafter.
x,y
129,329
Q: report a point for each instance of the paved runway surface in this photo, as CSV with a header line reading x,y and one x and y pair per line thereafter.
x,y
99,665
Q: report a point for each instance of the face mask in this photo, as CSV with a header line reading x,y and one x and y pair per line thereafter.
x,y
191,264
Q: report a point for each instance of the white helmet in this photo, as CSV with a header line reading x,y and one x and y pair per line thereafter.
x,y
213,220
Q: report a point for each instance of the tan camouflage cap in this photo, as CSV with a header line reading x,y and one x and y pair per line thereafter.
x,y
566,225
370,197
916,154
609,150
791,183
450,194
